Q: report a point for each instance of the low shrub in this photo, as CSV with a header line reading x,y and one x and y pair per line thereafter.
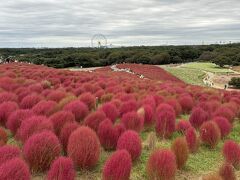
x,y
110,111
94,119
226,171
192,140
6,108
198,117
8,152
224,125
231,153
132,121
183,125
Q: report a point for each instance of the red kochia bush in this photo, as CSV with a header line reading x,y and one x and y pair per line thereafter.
x,y
8,96
118,166
210,133
231,153
133,121
15,169
176,106
15,119
33,125
180,149
3,137
88,99
78,108
8,152
130,141
94,119
40,150
186,103
62,169
198,117
183,125
60,118
84,147
56,96
6,108
162,165
29,101
148,114
110,110
192,140
224,112
224,125
165,120
128,106
45,108
226,171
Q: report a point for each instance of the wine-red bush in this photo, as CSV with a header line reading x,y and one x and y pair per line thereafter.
x,y
210,134
84,147
192,140
118,166
186,103
8,96
16,118
231,153
120,128
183,125
226,171
176,106
56,96
62,169
6,108
148,114
40,150
128,106
131,142
132,121
60,118
94,119
33,125
162,165
110,110
89,99
3,137
165,120
180,149
15,169
78,108
29,101
8,152
45,108
224,112
224,125
198,117
66,132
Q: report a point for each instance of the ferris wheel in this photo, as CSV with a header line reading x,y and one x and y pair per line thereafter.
x,y
99,41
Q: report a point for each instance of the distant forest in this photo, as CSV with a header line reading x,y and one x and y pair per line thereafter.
x,y
222,55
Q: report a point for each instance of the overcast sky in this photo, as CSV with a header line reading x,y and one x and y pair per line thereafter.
x,y
72,23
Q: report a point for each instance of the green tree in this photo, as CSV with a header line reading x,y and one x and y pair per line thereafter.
x,y
222,61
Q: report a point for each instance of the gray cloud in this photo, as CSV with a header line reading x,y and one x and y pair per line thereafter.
x,y
61,23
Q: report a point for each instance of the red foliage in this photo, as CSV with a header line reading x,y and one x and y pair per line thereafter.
x,y
225,112
60,118
3,137
29,101
8,96
226,171
176,106
162,165
8,152
180,149
62,169
33,125
192,140
198,117
183,125
231,153
128,106
210,133
84,147
16,118
186,103
130,141
78,108
110,110
148,114
45,108
15,169
133,121
165,120
36,88
118,166
56,96
40,150
88,99
94,119
6,108
224,125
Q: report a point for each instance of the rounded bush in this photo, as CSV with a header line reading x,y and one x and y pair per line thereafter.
x,y
224,125
15,169
89,99
131,142
78,108
110,111
8,152
56,96
40,150
60,118
3,137
148,114
45,108
198,117
29,101
176,106
84,147
186,103
224,112
180,149
210,133
128,106
192,140
162,165
231,153
118,166
226,171
133,121
6,108
16,118
8,96
183,125
94,119
61,169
